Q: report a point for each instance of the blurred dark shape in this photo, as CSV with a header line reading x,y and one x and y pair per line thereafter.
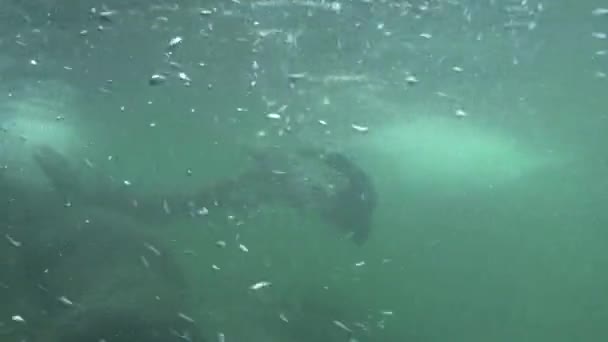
x,y
93,278
85,275
353,206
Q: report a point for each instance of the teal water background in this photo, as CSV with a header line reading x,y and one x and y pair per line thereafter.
x,y
490,167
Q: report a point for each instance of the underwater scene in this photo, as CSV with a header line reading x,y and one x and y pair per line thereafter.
x,y
303,171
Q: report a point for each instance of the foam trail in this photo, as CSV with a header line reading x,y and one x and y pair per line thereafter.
x,y
452,152
24,126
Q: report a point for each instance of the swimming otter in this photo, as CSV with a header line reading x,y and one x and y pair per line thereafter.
x,y
84,275
80,275
310,180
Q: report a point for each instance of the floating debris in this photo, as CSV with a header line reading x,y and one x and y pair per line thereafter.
x,y
185,317
263,33
12,241
215,267
220,243
360,263
243,248
157,79
184,77
88,163
426,35
144,261
152,249
283,318
174,42
600,11
274,116
360,128
295,77
221,337
411,79
260,285
175,65
599,35
107,15
342,326
186,335
344,78
334,6
202,211
461,113
64,300
166,207
18,318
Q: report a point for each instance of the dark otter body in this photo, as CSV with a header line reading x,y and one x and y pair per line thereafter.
x,y
312,181
353,207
